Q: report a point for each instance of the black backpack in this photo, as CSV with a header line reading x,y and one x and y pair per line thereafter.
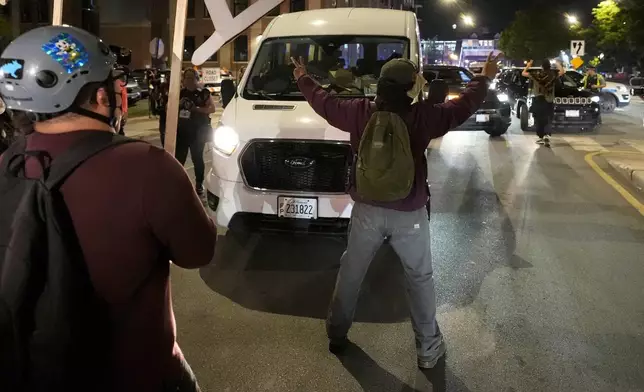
x,y
54,332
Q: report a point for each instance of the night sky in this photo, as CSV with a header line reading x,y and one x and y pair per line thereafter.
x,y
438,16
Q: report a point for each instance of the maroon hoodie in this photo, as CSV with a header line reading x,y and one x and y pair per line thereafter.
x,y
425,122
134,209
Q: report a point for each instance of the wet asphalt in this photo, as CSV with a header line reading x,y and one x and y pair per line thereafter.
x,y
539,270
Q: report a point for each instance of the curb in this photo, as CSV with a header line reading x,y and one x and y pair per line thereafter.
x,y
637,177
634,174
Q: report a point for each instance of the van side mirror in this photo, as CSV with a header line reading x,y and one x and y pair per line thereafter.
x,y
227,91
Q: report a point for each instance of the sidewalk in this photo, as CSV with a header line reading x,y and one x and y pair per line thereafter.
x,y
142,128
630,165
148,128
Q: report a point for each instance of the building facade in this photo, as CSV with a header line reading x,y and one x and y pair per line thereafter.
x,y
476,48
134,24
28,14
439,52
235,54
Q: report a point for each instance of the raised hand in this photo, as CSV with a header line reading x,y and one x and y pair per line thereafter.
x,y
300,68
491,66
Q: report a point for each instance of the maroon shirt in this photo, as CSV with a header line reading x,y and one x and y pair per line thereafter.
x,y
425,122
134,209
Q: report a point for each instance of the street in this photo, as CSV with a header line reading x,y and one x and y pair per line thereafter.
x,y
539,278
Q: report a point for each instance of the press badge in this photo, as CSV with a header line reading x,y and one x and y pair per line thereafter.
x,y
184,114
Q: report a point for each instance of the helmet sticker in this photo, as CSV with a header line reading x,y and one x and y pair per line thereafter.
x,y
11,69
67,51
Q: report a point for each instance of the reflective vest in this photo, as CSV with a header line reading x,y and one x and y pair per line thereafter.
x,y
598,79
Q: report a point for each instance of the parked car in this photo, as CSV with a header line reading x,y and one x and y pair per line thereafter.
x,y
134,94
637,86
494,116
574,108
614,95
275,162
139,75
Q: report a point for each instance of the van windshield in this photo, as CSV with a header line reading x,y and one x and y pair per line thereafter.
x,y
345,65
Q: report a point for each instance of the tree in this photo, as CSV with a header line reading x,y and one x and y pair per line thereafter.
x,y
537,33
617,31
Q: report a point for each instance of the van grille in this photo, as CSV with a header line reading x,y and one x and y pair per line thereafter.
x,y
269,165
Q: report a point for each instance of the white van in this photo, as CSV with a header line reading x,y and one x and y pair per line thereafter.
x,y
275,161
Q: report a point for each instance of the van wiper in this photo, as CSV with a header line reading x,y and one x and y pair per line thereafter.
x,y
263,94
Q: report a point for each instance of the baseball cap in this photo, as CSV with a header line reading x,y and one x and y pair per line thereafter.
x,y
401,71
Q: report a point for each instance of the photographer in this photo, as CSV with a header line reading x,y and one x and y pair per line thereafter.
x,y
195,107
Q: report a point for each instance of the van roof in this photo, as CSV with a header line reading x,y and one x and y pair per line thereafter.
x,y
344,21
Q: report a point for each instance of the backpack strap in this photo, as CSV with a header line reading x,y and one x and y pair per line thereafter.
x,y
65,164
17,149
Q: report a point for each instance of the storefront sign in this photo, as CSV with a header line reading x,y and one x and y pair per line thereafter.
x,y
227,27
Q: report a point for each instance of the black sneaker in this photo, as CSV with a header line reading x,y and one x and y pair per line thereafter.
x,y
338,346
199,189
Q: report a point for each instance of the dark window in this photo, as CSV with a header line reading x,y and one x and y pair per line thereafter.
x,y
25,12
241,48
298,5
190,13
188,48
274,12
214,57
239,6
42,7
90,18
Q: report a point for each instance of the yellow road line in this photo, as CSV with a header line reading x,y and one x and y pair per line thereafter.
x,y
632,200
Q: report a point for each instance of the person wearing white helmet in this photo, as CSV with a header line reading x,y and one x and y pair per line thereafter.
x,y
131,206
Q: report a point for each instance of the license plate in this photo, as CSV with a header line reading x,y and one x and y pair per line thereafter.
x,y
482,118
572,113
297,207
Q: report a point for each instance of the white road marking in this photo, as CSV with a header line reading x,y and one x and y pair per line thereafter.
x,y
583,143
636,144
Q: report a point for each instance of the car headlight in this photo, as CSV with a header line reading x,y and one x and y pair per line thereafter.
x,y
595,99
621,88
493,85
502,97
451,96
225,140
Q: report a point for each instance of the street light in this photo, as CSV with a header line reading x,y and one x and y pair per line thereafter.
x,y
468,20
572,19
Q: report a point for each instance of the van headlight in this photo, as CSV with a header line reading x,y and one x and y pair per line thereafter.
x,y
502,97
595,99
225,140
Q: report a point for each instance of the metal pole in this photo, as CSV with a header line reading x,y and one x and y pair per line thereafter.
x,y
15,18
57,14
176,60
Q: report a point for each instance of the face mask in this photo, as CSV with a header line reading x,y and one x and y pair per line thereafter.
x,y
415,91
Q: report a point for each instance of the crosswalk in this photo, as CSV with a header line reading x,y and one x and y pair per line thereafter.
x,y
583,143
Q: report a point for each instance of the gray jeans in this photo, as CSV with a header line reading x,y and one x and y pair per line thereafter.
x,y
409,233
